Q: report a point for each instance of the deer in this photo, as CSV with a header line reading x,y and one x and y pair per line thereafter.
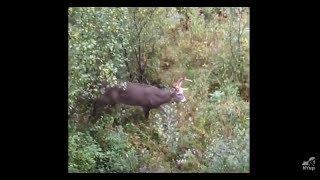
x,y
146,96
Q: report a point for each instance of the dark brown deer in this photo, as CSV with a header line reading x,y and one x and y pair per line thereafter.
x,y
135,94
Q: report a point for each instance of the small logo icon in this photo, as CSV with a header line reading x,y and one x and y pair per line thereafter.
x,y
309,164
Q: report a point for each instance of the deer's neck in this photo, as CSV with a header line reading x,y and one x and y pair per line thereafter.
x,y
165,97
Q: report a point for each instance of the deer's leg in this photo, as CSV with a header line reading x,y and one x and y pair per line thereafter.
x,y
97,105
146,112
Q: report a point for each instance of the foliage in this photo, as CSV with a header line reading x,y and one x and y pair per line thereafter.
x,y
83,152
208,133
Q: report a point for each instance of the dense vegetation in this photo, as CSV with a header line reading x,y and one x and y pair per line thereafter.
x,y
208,133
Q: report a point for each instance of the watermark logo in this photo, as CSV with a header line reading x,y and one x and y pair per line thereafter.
x,y
309,165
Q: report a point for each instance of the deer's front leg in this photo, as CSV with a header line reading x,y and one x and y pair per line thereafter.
x,y
146,112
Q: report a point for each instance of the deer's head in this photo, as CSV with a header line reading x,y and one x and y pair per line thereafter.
x,y
177,90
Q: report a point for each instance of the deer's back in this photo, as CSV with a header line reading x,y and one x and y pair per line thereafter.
x,y
135,94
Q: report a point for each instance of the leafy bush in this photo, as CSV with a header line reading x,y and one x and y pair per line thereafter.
x,y
227,121
83,152
119,156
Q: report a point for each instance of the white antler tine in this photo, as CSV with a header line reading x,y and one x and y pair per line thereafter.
x,y
188,80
